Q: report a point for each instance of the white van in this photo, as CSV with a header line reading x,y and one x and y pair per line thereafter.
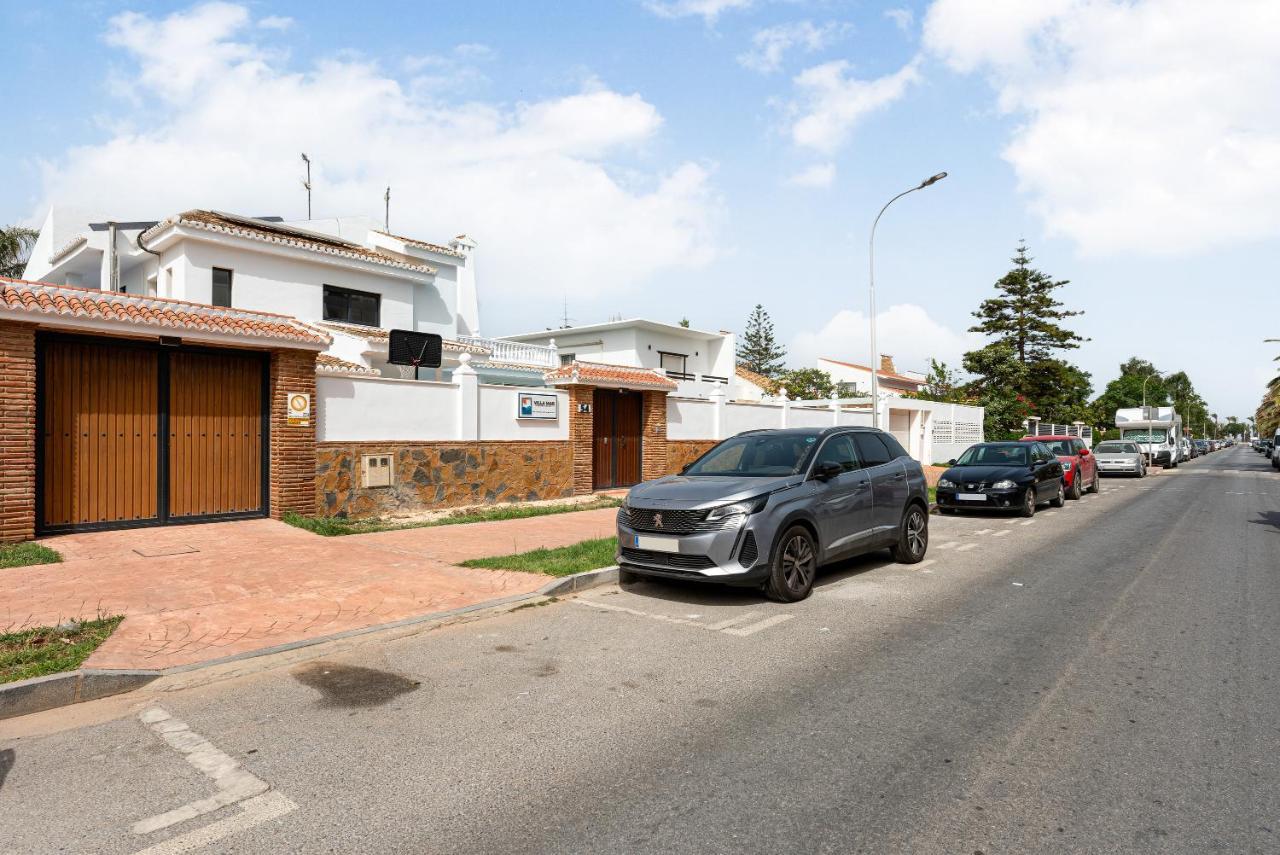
x,y
1156,430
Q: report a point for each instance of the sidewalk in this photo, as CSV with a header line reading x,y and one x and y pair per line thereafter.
x,y
198,593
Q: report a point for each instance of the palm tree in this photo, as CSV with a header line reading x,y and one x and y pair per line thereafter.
x,y
15,248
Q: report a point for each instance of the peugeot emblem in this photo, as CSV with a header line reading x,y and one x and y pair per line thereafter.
x,y
657,520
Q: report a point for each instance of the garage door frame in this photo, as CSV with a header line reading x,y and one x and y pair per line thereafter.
x,y
163,353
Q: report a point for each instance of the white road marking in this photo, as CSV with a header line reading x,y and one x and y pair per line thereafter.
x,y
234,783
946,544
752,629
967,547
1002,533
1016,584
1026,522
255,811
923,564
984,531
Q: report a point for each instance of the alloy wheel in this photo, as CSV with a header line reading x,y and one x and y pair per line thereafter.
x,y
917,537
798,563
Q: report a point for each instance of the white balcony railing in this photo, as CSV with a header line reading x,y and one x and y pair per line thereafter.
x,y
519,353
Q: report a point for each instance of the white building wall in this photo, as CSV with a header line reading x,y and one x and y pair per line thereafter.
x,y
690,418
499,407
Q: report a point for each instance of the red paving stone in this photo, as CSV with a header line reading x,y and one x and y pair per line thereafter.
x,y
203,592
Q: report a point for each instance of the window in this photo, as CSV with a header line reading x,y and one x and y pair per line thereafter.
x,y
567,358
221,287
756,455
895,448
838,450
351,307
673,362
872,451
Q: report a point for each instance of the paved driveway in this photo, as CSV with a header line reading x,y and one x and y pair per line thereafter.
x,y
197,593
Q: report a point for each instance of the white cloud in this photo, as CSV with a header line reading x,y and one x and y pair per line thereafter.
x,y
905,331
549,188
831,102
275,22
903,18
818,175
1144,126
708,10
770,45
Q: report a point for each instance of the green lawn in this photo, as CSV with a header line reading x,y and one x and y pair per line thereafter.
x,y
562,561
933,495
26,554
49,650
336,526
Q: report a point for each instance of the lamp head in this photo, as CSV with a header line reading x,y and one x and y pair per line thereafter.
x,y
933,179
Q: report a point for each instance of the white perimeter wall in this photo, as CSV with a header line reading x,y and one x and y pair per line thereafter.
x,y
378,409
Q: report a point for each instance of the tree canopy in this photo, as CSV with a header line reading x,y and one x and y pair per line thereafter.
x,y
759,350
16,243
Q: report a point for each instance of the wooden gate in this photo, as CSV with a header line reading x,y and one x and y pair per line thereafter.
x,y
617,423
133,434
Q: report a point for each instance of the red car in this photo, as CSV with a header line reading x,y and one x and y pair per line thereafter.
x,y
1079,469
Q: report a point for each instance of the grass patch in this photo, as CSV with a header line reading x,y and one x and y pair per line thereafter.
x,y
933,495
561,561
338,526
26,554
50,650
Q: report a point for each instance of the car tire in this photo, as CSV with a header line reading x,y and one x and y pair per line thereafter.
x,y
1074,493
1028,503
1096,486
794,566
1060,500
913,536
1142,471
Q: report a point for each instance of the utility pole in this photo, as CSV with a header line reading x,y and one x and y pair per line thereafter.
x,y
386,217
307,183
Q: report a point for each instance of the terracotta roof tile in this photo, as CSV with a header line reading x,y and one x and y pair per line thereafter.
x,y
329,364
434,247
378,334
276,233
597,374
755,378
888,375
48,300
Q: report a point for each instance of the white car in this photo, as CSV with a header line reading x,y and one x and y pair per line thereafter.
x,y
1120,457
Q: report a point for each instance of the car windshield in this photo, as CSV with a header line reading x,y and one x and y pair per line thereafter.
x,y
1116,448
994,455
757,456
1060,447
1144,435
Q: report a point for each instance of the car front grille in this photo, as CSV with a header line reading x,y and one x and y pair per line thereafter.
x,y
662,520
667,559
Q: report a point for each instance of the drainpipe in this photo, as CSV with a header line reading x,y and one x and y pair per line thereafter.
x,y
113,262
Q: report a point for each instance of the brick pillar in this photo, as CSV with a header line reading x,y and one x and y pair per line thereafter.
x,y
654,463
17,432
293,447
582,439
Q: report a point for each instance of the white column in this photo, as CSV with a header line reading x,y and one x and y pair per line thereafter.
x,y
786,406
835,409
717,412
468,398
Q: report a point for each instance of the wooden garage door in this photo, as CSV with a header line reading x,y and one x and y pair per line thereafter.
x,y
215,434
99,434
141,435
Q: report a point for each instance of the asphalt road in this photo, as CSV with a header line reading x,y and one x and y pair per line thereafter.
x,y
1101,680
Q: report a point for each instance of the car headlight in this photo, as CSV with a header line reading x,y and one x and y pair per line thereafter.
x,y
1006,484
743,508
946,484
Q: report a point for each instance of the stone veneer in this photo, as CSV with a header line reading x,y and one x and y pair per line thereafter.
x,y
17,431
436,475
682,452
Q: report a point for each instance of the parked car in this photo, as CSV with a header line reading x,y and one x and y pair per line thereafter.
x,y
1275,450
767,508
1117,456
1079,470
1003,476
1201,446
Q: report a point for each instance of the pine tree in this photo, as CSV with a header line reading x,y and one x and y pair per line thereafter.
x,y
759,351
1024,314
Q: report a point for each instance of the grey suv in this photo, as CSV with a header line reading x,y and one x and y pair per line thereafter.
x,y
766,508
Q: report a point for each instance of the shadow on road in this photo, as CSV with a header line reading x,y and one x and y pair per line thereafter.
x,y
7,757
1271,518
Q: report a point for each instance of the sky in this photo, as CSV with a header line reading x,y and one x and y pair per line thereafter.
x,y
675,159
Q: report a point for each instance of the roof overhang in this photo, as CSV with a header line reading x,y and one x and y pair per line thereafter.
x,y
633,323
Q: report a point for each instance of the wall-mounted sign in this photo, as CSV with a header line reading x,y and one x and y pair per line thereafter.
x,y
531,406
584,408
299,412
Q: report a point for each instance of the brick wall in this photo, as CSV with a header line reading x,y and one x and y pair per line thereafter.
x,y
293,447
682,452
654,463
582,438
435,475
17,432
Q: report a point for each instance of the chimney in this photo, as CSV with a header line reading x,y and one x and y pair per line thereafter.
x,y
886,364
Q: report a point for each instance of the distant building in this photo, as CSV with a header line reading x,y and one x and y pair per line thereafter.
x,y
855,379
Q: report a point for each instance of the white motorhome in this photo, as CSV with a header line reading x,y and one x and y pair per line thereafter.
x,y
1157,430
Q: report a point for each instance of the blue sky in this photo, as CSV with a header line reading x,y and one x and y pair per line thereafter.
x,y
656,159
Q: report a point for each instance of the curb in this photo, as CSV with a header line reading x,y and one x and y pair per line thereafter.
x,y
88,684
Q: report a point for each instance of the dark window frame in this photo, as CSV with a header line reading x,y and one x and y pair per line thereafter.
x,y
215,285
348,293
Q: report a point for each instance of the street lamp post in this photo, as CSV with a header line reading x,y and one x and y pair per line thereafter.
x,y
1144,390
875,355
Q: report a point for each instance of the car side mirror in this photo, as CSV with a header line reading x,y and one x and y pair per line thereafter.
x,y
685,468
1084,452
827,471
951,462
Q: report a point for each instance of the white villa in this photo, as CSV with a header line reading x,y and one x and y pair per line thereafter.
x,y
345,275
855,379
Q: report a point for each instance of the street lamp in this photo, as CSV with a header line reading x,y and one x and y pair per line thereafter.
x,y
1144,391
875,355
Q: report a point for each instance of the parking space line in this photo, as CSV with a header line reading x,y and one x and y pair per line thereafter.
x,y
758,625
1027,522
984,531
946,544
967,547
254,811
1001,533
726,627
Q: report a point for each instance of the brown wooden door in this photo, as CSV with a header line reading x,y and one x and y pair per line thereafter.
x,y
99,424
616,420
215,434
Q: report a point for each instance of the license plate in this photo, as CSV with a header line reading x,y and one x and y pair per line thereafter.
x,y
657,544
971,497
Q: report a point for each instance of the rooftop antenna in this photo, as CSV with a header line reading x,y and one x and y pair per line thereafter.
x,y
386,217
307,183
565,321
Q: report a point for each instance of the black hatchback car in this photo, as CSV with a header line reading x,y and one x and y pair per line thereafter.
x,y
1002,476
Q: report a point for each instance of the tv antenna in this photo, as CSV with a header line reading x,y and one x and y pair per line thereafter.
x,y
386,217
307,183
